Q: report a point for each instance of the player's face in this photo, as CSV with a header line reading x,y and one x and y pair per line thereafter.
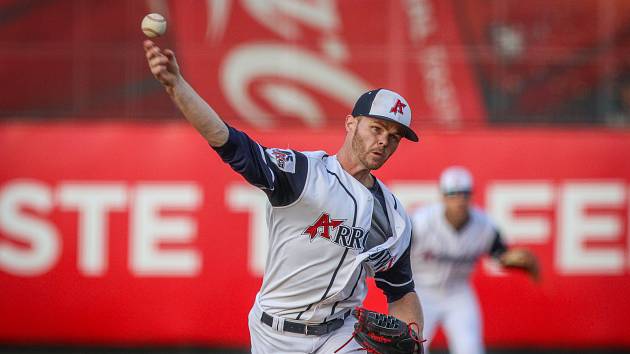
x,y
375,140
457,203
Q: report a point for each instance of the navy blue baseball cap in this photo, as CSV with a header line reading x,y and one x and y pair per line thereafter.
x,y
387,105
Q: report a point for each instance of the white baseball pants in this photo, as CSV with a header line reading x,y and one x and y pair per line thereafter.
x,y
457,310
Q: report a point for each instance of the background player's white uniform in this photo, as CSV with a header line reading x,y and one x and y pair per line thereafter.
x,y
443,259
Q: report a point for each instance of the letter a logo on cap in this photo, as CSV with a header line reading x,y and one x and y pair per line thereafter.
x,y
398,107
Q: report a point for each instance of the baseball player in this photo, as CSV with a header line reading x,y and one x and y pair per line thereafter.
x,y
449,238
331,222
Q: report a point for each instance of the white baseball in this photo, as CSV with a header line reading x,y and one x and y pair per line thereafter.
x,y
153,25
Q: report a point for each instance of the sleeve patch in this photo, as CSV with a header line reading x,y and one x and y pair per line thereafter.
x,y
284,159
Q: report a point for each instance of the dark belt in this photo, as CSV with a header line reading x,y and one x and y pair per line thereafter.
x,y
315,330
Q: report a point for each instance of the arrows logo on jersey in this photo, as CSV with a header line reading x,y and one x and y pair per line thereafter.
x,y
334,231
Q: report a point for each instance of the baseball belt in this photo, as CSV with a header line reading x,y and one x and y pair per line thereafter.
x,y
301,328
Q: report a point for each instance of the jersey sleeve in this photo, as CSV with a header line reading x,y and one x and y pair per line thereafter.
x,y
280,173
397,280
498,247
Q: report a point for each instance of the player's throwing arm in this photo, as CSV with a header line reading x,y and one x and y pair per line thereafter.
x,y
164,67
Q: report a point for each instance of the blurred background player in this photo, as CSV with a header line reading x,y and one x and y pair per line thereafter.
x,y
449,238
331,222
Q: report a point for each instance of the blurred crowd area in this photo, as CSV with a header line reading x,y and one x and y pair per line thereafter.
x,y
534,62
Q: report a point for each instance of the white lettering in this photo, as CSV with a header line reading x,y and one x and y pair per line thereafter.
x,y
421,20
149,229
248,63
43,248
93,202
504,198
575,228
241,197
438,85
415,194
284,16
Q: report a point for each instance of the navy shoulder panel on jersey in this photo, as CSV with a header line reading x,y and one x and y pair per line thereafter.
x,y
281,174
291,169
397,281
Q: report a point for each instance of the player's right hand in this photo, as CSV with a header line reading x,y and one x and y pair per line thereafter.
x,y
162,63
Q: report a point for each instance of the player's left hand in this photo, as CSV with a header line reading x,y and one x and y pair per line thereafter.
x,y
380,333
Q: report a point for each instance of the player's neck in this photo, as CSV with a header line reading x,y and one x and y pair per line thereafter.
x,y
457,221
351,164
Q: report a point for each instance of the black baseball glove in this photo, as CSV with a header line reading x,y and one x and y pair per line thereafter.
x,y
382,334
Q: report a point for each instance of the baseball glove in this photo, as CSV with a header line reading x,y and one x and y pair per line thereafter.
x,y
378,333
521,259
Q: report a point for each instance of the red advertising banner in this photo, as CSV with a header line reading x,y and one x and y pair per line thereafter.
x,y
301,63
114,233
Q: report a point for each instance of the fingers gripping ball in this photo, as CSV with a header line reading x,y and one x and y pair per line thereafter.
x,y
153,25
382,334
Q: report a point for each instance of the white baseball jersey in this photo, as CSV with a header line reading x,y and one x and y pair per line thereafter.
x,y
319,220
444,257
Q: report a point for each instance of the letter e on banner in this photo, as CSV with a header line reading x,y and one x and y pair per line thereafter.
x,y
576,228
149,229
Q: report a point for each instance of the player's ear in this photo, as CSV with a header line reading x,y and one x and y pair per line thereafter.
x,y
351,123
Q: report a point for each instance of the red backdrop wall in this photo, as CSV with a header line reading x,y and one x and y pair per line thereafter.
x,y
138,233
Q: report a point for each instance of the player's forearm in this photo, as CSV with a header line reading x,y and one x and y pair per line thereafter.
x,y
199,113
408,309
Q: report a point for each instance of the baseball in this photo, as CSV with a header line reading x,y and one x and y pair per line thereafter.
x,y
153,25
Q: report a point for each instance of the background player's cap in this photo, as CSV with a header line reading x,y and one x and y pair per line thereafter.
x,y
387,105
456,179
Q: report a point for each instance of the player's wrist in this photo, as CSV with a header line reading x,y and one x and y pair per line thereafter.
x,y
173,87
